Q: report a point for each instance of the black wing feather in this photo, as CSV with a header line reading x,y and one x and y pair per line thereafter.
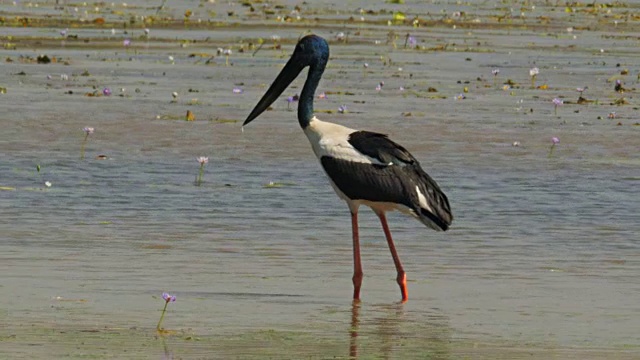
x,y
379,146
394,182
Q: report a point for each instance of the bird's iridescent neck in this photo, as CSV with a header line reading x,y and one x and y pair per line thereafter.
x,y
305,103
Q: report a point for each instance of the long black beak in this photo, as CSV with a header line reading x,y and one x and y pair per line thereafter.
x,y
289,73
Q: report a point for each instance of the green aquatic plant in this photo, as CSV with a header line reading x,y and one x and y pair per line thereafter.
x,y
260,44
399,17
410,41
227,53
161,6
167,299
203,160
275,184
554,141
87,131
533,73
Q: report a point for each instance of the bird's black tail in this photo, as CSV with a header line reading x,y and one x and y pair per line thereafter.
x,y
437,214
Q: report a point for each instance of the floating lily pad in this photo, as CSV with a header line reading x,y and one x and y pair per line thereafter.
x,y
398,16
170,117
164,332
225,121
273,184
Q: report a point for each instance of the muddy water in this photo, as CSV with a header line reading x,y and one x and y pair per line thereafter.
x,y
542,260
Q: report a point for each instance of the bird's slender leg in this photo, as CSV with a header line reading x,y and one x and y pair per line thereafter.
x,y
402,276
357,265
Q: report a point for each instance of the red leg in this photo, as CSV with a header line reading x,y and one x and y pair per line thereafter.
x,y
357,265
402,276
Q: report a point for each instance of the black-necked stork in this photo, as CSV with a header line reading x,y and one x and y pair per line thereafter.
x,y
365,168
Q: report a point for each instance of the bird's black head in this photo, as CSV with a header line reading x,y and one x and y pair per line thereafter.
x,y
311,50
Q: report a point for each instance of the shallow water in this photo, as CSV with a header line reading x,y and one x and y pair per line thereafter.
x,y
542,259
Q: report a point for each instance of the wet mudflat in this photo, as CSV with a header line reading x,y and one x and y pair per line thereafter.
x,y
542,260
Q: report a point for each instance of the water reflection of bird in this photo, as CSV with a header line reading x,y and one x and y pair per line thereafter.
x,y
365,168
353,330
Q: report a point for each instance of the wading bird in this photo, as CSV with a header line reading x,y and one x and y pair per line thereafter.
x,y
365,168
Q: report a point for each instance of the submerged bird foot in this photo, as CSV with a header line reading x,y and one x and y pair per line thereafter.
x,y
357,283
402,281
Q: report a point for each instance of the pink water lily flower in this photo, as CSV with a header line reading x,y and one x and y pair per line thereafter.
x,y
556,102
168,297
412,42
534,71
87,131
202,160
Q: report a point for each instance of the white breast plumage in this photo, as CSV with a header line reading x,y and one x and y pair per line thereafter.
x,y
328,139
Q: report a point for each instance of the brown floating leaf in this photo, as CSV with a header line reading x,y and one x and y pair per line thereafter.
x,y
162,332
43,59
156,246
621,101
